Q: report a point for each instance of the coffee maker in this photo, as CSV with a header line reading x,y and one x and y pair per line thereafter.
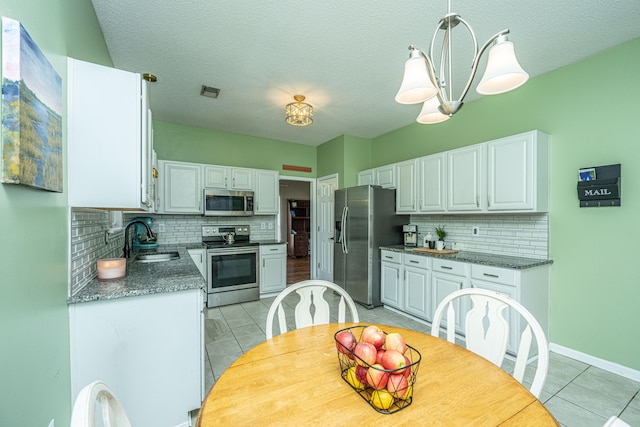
x,y
410,234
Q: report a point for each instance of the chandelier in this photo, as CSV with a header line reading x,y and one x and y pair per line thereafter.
x,y
421,83
299,113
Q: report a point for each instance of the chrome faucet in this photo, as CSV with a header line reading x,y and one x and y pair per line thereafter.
x,y
126,251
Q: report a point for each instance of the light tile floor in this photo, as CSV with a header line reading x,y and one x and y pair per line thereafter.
x,y
577,394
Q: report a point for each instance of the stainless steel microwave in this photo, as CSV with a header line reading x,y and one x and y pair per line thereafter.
x,y
227,203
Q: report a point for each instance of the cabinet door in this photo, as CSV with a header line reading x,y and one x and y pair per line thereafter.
x,y
432,183
366,177
510,163
406,187
273,268
182,187
385,176
417,292
465,178
442,285
242,179
511,315
106,123
216,176
198,257
391,285
267,192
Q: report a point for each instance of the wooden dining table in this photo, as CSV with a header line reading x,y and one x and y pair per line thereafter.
x,y
294,379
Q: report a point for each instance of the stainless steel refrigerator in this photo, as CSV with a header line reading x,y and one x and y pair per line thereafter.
x,y
365,220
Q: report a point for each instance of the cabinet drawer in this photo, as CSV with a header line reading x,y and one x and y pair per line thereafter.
x,y
450,267
494,274
391,256
418,261
272,249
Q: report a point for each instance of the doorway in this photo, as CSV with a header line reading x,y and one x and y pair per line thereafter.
x,y
300,192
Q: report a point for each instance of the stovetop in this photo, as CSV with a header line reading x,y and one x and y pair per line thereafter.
x,y
222,244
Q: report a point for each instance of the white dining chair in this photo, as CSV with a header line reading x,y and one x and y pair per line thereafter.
x,y
615,422
98,394
487,331
311,297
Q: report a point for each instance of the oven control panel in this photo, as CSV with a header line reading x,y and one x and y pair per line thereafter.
x,y
223,230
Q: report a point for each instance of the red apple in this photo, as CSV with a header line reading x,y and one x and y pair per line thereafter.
x,y
366,353
395,341
393,361
397,385
408,364
373,335
381,352
345,342
361,373
377,377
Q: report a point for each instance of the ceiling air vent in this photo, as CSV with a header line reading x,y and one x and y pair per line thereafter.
x,y
208,91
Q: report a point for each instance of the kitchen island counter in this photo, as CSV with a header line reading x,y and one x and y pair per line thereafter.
x,y
502,261
145,278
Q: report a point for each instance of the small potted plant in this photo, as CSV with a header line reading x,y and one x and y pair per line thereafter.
x,y
442,233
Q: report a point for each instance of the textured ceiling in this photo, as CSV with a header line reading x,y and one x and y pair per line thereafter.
x,y
346,57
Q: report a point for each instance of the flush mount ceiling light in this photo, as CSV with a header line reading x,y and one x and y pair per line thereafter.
x,y
209,91
299,113
421,83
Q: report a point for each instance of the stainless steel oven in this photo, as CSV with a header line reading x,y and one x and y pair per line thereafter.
x,y
232,265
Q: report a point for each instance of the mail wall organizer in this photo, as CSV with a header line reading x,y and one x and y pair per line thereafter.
x,y
599,186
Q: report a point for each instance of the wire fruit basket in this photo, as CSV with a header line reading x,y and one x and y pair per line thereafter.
x,y
385,390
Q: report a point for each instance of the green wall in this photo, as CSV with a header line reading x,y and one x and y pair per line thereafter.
x,y
591,109
34,327
190,144
345,155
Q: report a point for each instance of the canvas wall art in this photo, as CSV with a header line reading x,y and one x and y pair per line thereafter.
x,y
31,112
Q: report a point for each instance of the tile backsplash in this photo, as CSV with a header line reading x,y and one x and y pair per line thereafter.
x,y
89,243
513,235
188,228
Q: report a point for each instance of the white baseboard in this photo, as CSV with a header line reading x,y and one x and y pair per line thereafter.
x,y
615,368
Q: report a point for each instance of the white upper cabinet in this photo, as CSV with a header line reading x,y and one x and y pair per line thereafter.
x,y
267,192
180,187
465,177
229,178
432,183
518,173
109,138
406,181
384,176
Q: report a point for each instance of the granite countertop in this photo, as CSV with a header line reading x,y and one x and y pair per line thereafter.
x,y
147,278
503,261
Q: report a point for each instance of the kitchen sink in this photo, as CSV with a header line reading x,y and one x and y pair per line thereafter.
x,y
158,257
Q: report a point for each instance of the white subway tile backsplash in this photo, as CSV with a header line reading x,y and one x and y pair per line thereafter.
x,y
515,235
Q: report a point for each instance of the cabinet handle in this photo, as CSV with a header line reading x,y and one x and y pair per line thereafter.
x,y
414,261
388,257
491,275
273,249
489,201
263,263
444,267
478,201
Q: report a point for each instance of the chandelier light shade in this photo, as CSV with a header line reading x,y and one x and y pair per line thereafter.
x,y
503,72
430,114
299,113
424,83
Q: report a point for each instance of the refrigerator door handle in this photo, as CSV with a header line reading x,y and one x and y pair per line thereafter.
x,y
345,214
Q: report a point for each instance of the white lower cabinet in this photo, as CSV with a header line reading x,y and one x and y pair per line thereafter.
x,y
417,284
273,268
198,257
148,349
391,279
449,276
417,280
530,287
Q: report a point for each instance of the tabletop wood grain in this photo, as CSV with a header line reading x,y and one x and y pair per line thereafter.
x,y
294,378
